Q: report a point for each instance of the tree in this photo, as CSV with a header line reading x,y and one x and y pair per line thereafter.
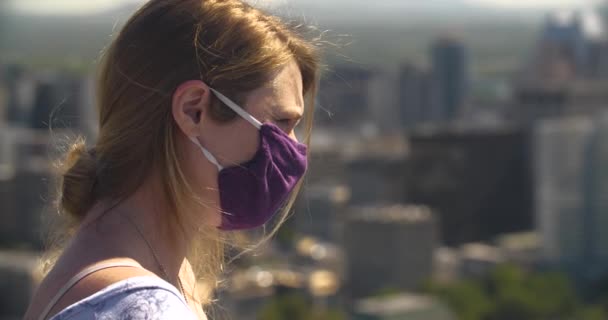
x,y
295,306
509,292
465,298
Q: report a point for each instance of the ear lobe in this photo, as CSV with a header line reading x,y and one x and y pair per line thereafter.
x,y
189,105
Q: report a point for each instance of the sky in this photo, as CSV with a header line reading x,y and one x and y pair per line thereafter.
x,y
44,7
537,3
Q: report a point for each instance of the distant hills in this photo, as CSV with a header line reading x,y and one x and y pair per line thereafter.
x,y
402,29
402,12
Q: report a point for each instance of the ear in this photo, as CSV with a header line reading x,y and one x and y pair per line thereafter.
x,y
189,105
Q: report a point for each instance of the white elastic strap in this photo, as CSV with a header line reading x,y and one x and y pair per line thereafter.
x,y
244,114
207,154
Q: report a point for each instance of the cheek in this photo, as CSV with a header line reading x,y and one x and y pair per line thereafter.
x,y
246,144
193,167
238,145
202,177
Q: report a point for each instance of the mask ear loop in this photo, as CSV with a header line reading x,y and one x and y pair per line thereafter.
x,y
240,111
207,154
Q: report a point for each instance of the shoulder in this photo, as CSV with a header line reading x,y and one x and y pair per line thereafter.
x,y
135,298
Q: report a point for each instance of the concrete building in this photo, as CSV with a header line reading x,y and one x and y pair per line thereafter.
x,y
318,209
559,162
28,186
417,96
345,98
388,247
547,99
60,101
597,62
383,102
571,183
19,276
478,180
402,307
376,178
20,87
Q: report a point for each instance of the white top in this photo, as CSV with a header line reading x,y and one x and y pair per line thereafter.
x,y
144,297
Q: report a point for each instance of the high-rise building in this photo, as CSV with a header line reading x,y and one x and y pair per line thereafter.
x,y
417,96
602,9
3,100
8,227
450,72
30,187
571,182
376,178
538,100
388,247
570,46
383,102
58,102
597,62
478,180
596,218
20,87
345,97
566,34
317,210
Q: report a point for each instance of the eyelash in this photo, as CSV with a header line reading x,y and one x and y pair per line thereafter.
x,y
288,121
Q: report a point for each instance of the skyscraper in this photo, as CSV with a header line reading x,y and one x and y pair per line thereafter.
x,y
58,102
344,100
558,166
417,96
596,205
450,72
20,87
568,36
571,184
477,179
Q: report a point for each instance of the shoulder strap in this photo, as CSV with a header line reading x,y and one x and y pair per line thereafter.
x,y
82,274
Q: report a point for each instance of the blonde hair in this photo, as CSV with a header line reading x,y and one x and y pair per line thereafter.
x,y
228,44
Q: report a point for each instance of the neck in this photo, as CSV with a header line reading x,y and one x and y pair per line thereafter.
x,y
143,227
151,220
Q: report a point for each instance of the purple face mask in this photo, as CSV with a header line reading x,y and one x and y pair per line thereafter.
x,y
252,192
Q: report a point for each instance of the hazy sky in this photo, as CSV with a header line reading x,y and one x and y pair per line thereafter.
x,y
90,6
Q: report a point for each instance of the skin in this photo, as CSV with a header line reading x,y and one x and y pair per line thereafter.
x,y
106,233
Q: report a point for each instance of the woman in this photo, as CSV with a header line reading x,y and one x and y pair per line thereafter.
x,y
198,102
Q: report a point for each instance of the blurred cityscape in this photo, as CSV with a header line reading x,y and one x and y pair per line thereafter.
x,y
462,177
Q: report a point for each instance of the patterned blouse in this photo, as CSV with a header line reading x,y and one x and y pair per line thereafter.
x,y
133,299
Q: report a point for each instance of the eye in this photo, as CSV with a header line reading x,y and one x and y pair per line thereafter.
x,y
284,122
287,122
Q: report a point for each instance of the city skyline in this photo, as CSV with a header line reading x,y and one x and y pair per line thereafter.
x,y
447,169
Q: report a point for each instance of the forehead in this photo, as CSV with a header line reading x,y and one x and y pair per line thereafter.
x,y
284,91
288,80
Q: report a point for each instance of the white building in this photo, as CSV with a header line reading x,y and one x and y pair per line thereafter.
x,y
571,156
388,247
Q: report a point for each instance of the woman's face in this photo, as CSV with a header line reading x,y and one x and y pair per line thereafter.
x,y
280,102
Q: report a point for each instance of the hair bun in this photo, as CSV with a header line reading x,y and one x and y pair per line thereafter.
x,y
79,172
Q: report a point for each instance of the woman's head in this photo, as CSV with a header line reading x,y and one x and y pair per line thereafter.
x,y
229,46
154,94
250,164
